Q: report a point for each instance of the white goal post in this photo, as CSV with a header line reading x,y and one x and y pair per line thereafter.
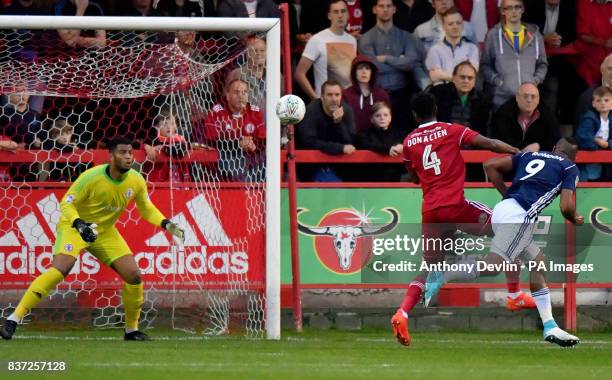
x,y
272,29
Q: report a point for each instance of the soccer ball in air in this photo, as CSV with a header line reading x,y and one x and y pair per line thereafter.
x,y
290,109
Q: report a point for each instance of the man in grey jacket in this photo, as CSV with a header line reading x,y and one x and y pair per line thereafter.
x,y
514,53
400,60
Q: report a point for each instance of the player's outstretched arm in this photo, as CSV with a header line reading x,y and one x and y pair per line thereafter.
x,y
495,169
493,145
568,207
151,214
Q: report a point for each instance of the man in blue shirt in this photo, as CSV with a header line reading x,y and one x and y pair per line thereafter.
x,y
539,177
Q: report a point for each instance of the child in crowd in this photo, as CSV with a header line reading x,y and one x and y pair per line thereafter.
x,y
167,143
58,138
593,132
379,138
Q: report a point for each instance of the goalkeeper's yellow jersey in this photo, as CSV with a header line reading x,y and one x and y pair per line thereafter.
x,y
97,198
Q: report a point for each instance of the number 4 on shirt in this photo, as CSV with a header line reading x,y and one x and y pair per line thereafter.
x,y
430,160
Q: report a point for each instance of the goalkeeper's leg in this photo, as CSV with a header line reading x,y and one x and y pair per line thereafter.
x,y
132,295
38,289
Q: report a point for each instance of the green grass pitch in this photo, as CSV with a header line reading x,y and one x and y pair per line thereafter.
x,y
311,355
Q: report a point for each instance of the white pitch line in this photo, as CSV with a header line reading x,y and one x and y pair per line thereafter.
x,y
112,338
223,365
478,341
294,339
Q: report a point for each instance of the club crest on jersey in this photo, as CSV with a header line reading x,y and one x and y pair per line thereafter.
x,y
337,238
70,198
250,128
128,193
68,247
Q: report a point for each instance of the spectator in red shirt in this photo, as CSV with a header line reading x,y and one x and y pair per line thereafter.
x,y
594,38
236,128
355,22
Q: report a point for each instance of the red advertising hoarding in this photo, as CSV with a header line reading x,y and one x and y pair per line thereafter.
x,y
224,245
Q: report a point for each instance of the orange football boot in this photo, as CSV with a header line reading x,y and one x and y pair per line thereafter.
x,y
521,302
400,328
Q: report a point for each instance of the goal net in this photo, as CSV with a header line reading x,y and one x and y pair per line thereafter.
x,y
195,96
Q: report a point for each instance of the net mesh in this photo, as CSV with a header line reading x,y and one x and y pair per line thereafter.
x,y
178,96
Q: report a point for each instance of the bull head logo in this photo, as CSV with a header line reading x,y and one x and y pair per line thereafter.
x,y
596,223
345,236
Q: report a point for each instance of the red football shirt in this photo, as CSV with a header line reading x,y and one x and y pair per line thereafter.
x,y
433,151
355,21
221,124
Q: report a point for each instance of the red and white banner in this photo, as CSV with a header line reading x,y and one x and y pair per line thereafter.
x,y
220,249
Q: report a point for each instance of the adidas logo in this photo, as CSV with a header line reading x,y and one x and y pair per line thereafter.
x,y
194,257
37,253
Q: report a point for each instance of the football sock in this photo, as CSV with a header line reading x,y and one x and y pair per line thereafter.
x,y
132,304
542,300
512,280
413,294
38,289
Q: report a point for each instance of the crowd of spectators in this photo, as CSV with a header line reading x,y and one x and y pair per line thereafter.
x,y
522,71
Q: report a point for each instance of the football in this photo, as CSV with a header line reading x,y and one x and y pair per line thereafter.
x,y
290,109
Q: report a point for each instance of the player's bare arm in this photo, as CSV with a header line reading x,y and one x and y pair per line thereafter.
x,y
568,207
495,169
493,145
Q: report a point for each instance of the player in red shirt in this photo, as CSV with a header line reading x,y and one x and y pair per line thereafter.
x,y
237,129
433,158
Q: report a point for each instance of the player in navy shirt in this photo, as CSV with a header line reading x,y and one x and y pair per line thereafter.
x,y
539,177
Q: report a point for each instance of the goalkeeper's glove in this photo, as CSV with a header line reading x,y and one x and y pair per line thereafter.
x,y
174,229
88,231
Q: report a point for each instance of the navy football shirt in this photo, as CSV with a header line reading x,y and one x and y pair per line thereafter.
x,y
539,177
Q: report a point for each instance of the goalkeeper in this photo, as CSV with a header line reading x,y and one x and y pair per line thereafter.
x,y
89,210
